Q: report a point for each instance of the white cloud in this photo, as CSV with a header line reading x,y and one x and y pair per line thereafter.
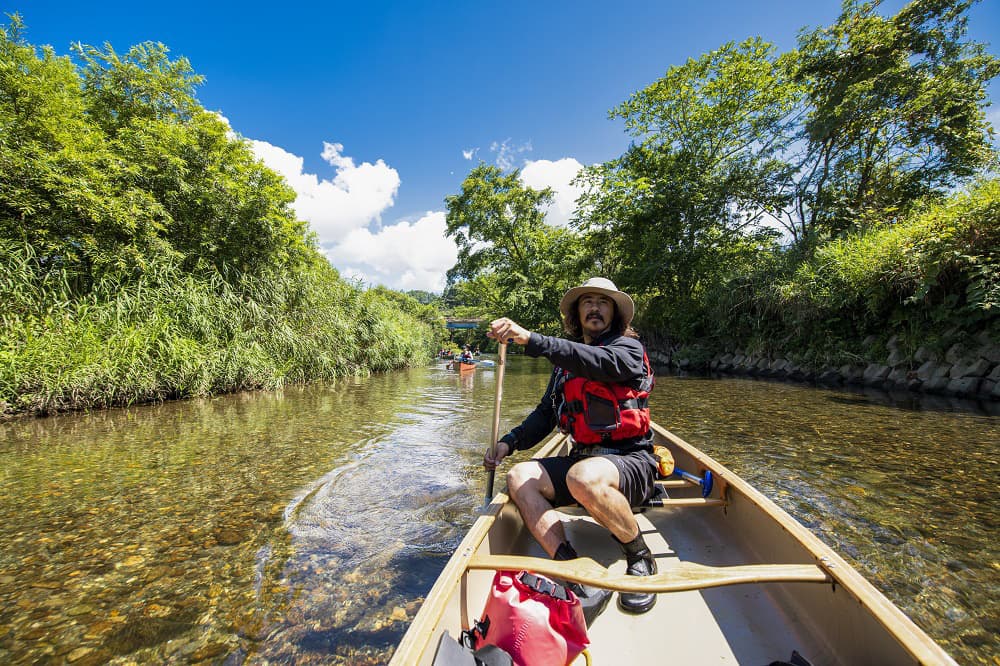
x,y
341,211
540,174
353,198
403,256
507,154
470,153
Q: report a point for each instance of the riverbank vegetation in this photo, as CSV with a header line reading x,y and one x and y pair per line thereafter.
x,y
798,202
145,253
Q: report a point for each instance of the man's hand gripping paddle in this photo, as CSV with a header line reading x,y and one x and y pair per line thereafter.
x,y
490,474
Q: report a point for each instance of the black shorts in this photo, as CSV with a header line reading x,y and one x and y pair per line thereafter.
x,y
636,475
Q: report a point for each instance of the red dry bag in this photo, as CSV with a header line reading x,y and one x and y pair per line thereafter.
x,y
538,622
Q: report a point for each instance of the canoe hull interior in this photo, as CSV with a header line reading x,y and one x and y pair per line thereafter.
x,y
844,622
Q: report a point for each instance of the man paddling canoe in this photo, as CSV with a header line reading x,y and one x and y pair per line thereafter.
x,y
598,394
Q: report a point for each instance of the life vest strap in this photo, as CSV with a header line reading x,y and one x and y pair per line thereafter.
x,y
576,406
595,450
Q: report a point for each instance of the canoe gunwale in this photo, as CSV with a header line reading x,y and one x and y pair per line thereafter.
x,y
907,633
826,566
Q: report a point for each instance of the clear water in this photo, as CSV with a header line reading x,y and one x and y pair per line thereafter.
x,y
307,525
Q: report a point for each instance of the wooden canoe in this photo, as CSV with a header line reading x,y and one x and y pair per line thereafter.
x,y
739,582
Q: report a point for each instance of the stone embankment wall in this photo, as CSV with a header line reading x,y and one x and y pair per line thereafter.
x,y
964,370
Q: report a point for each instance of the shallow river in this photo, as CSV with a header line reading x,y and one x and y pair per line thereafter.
x,y
306,526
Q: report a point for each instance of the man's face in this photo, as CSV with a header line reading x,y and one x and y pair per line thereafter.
x,y
596,312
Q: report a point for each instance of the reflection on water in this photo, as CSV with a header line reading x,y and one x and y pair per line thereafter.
x,y
306,526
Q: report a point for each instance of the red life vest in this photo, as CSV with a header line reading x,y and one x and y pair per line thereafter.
x,y
594,412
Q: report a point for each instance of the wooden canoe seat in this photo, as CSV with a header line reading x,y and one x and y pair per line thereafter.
x,y
677,578
661,498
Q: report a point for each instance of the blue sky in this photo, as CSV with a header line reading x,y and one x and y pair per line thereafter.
x,y
376,111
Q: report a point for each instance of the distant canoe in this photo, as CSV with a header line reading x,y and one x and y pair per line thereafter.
x,y
739,582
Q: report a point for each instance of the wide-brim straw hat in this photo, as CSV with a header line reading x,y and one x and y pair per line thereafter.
x,y
599,286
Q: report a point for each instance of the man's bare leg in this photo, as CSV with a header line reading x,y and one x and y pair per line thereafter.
x,y
594,484
531,489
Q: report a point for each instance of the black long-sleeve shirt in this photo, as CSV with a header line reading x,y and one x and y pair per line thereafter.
x,y
610,358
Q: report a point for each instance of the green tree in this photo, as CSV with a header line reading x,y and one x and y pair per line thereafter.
x,y
63,192
511,262
688,199
894,112
223,207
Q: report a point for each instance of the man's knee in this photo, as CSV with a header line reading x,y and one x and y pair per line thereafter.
x,y
586,481
521,476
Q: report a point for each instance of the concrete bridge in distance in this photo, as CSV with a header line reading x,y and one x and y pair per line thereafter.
x,y
454,323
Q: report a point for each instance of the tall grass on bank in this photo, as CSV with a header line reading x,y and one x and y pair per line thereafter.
x,y
171,334
933,277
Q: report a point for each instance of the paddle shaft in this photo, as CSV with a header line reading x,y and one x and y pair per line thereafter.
x,y
501,363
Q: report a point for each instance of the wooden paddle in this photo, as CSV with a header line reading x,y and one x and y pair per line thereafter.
x,y
682,576
501,362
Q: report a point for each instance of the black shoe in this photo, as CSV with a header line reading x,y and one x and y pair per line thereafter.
x,y
593,600
639,562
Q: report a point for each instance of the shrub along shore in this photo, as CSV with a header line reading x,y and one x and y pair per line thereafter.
x,y
174,335
912,306
147,254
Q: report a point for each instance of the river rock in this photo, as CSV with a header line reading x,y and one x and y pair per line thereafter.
x,y
898,376
986,388
830,378
78,654
977,368
927,370
659,357
955,354
937,384
991,352
897,358
852,374
924,354
965,386
875,374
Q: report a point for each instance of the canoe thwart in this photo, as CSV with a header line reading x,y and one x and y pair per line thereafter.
x,y
680,577
689,501
674,483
